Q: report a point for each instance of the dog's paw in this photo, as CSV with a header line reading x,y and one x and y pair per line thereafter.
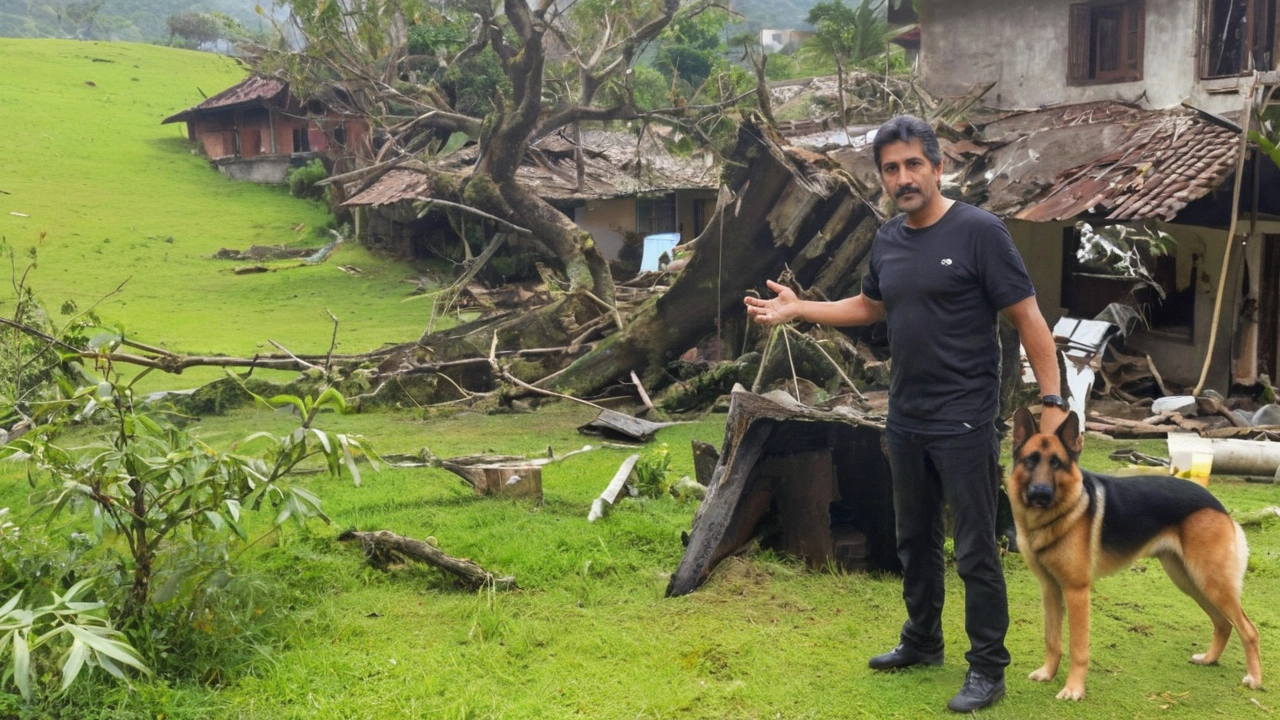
x,y
1252,683
1071,693
1042,674
1203,659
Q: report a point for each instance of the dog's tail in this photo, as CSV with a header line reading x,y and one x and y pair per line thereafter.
x,y
1242,557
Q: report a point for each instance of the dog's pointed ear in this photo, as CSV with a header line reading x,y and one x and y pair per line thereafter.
x,y
1069,434
1024,426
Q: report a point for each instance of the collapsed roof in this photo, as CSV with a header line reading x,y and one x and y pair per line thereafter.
x,y
1107,159
615,164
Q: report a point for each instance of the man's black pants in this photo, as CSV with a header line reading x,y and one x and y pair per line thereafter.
x,y
962,471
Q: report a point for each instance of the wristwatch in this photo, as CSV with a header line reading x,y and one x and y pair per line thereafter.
x,y
1055,401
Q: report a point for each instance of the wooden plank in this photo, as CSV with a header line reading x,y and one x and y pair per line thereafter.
x,y
611,492
611,422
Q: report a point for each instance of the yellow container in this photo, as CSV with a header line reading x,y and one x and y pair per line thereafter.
x,y
1201,466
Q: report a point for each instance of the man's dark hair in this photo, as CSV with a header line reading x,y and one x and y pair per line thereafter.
x,y
906,128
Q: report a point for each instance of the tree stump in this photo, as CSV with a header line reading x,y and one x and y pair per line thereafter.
x,y
821,473
514,479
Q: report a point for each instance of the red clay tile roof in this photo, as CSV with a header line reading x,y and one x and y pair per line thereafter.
x,y
394,186
252,90
1166,161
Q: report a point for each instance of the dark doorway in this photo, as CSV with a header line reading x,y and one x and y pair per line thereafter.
x,y
1269,305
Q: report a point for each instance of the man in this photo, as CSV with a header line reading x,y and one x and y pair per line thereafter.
x,y
938,274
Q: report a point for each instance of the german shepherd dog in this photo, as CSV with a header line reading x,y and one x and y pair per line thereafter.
x,y
1074,526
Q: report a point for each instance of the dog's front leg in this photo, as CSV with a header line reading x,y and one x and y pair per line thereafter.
x,y
1051,594
1078,621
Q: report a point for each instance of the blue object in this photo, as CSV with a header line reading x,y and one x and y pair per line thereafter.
x,y
654,247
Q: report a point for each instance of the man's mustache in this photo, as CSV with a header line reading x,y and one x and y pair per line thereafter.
x,y
906,189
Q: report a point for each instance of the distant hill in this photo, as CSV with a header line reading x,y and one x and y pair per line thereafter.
x,y
131,20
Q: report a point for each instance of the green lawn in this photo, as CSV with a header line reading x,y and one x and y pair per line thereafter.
x,y
590,634
107,195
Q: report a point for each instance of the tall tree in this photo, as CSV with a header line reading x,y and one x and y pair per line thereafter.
x,y
848,35
562,64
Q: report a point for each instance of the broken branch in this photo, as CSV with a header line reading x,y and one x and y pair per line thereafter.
x,y
383,546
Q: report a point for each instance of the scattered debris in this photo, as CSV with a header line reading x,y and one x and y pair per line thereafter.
x,y
259,253
384,548
1132,456
609,497
250,269
610,423
18,214
351,269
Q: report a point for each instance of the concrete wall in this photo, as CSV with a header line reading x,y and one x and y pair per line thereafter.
x,y
607,220
1178,358
267,169
1022,47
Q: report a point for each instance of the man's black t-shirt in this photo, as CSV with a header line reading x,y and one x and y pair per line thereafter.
x,y
941,287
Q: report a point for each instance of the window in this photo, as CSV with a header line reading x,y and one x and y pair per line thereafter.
x,y
1237,36
340,134
1105,42
1130,274
301,143
656,214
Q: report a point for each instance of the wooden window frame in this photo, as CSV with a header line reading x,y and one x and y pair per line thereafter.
x,y
652,203
1085,52
1260,33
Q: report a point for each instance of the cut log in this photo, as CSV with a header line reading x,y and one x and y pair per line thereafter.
x,y
383,547
824,470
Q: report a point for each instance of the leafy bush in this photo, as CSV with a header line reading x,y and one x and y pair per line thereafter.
x,y
303,180
69,634
653,471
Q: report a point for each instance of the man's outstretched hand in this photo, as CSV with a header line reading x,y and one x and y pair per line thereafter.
x,y
775,310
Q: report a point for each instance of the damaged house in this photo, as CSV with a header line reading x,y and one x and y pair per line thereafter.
x,y
1113,113
257,130
629,188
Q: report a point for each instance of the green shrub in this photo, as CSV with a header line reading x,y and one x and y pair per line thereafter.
x,y
653,471
303,180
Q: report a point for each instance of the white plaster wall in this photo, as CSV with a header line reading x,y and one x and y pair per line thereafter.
x,y
606,220
1022,47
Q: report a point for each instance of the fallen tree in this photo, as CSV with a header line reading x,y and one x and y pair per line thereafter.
x,y
789,209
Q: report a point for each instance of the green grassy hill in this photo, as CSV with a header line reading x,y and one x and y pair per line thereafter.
x,y
107,195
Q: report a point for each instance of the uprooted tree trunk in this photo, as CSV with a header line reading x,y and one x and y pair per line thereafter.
x,y
383,548
791,209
